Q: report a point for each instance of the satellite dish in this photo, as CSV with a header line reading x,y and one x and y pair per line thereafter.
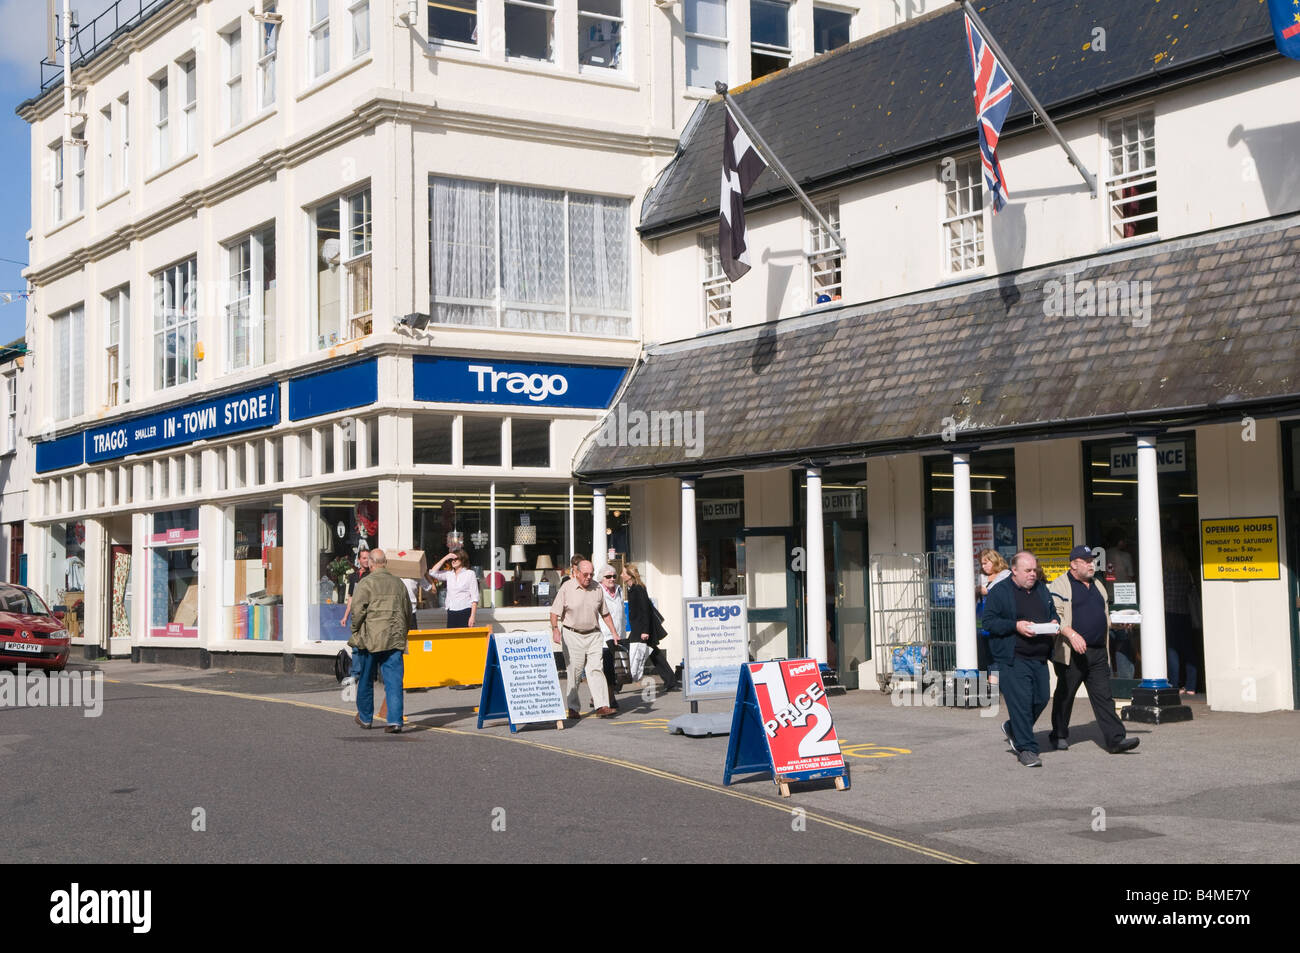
x,y
329,251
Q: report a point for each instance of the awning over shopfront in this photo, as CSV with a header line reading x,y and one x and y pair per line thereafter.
x,y
1194,330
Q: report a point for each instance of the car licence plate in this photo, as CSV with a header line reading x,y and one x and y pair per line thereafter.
x,y
24,647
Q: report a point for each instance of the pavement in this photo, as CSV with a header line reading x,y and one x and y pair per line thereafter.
x,y
928,783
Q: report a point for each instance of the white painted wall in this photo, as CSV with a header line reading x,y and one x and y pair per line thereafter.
x,y
1248,664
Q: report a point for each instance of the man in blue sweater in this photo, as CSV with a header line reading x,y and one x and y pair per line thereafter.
x,y
1021,622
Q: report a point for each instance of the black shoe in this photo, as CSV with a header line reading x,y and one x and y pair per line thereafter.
x,y
363,724
1006,732
1124,744
1030,760
393,730
1058,743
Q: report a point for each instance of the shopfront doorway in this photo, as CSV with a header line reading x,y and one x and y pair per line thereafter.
x,y
116,637
844,535
1291,517
1110,521
772,587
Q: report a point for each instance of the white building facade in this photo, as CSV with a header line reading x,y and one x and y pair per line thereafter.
x,y
326,275
1189,166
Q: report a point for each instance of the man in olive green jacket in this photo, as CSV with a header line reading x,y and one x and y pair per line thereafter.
x,y
381,617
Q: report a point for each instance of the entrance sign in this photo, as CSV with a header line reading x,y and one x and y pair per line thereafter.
x,y
1052,545
520,681
782,724
717,645
1243,548
1171,457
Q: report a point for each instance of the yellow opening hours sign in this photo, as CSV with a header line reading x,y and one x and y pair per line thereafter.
x,y
1243,548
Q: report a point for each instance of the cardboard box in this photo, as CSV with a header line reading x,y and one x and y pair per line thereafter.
x,y
249,577
274,571
407,563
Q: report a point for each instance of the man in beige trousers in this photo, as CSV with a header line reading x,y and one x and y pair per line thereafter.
x,y
577,612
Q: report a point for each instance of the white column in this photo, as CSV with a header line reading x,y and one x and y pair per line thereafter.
x,y
599,546
301,559
815,575
963,567
690,571
1151,583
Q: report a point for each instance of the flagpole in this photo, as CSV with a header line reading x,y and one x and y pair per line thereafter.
x,y
775,164
1030,98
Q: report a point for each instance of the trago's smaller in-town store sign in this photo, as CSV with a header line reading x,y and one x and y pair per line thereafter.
x,y
247,410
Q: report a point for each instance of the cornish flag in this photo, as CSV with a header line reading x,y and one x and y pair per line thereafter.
x,y
993,90
741,165
1286,26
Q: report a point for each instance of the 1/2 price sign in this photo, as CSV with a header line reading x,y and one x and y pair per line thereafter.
x,y
782,725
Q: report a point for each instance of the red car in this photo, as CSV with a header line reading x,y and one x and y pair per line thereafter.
x,y
29,632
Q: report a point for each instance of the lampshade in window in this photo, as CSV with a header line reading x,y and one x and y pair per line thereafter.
x,y
544,562
525,535
517,554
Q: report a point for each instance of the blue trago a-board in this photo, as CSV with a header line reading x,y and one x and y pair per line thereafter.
x,y
520,682
781,725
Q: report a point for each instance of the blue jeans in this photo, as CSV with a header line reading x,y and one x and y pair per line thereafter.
x,y
356,664
391,667
1024,684
1123,657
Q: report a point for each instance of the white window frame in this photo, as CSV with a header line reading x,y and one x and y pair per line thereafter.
x,y
268,43
161,132
318,40
711,40
125,158
823,256
107,182
767,49
500,306
964,254
832,8
11,412
715,284
462,44
79,170
57,207
185,325
188,72
354,272
232,59
617,35
547,6
117,350
359,12
1135,170
67,371
252,296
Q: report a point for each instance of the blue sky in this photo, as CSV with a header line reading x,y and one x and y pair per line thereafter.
x,y
22,44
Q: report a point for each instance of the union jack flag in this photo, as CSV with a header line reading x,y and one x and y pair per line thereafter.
x,y
993,88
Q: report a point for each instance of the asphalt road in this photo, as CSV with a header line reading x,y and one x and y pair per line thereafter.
x,y
282,782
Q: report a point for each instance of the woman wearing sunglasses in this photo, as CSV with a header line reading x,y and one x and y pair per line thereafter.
x,y
462,588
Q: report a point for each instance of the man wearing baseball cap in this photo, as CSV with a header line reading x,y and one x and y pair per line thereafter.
x,y
1081,653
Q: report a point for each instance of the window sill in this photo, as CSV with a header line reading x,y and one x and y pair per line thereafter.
x,y
699,92
321,82
229,134
159,173
595,76
111,199
65,223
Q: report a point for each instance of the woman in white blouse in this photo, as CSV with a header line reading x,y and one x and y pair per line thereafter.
x,y
462,588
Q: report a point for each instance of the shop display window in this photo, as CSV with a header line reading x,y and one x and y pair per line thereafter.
x,y
174,564
67,555
344,523
253,598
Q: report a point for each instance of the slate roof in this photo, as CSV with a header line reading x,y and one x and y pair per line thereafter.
x,y
1223,340
904,95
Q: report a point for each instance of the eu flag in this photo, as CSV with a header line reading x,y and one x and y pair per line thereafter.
x,y
1286,26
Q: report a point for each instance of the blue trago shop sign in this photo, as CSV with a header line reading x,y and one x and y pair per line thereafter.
x,y
232,413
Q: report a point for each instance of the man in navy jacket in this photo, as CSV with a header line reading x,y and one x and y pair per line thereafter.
x,y
1010,614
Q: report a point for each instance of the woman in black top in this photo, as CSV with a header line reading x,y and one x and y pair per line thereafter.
x,y
644,624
